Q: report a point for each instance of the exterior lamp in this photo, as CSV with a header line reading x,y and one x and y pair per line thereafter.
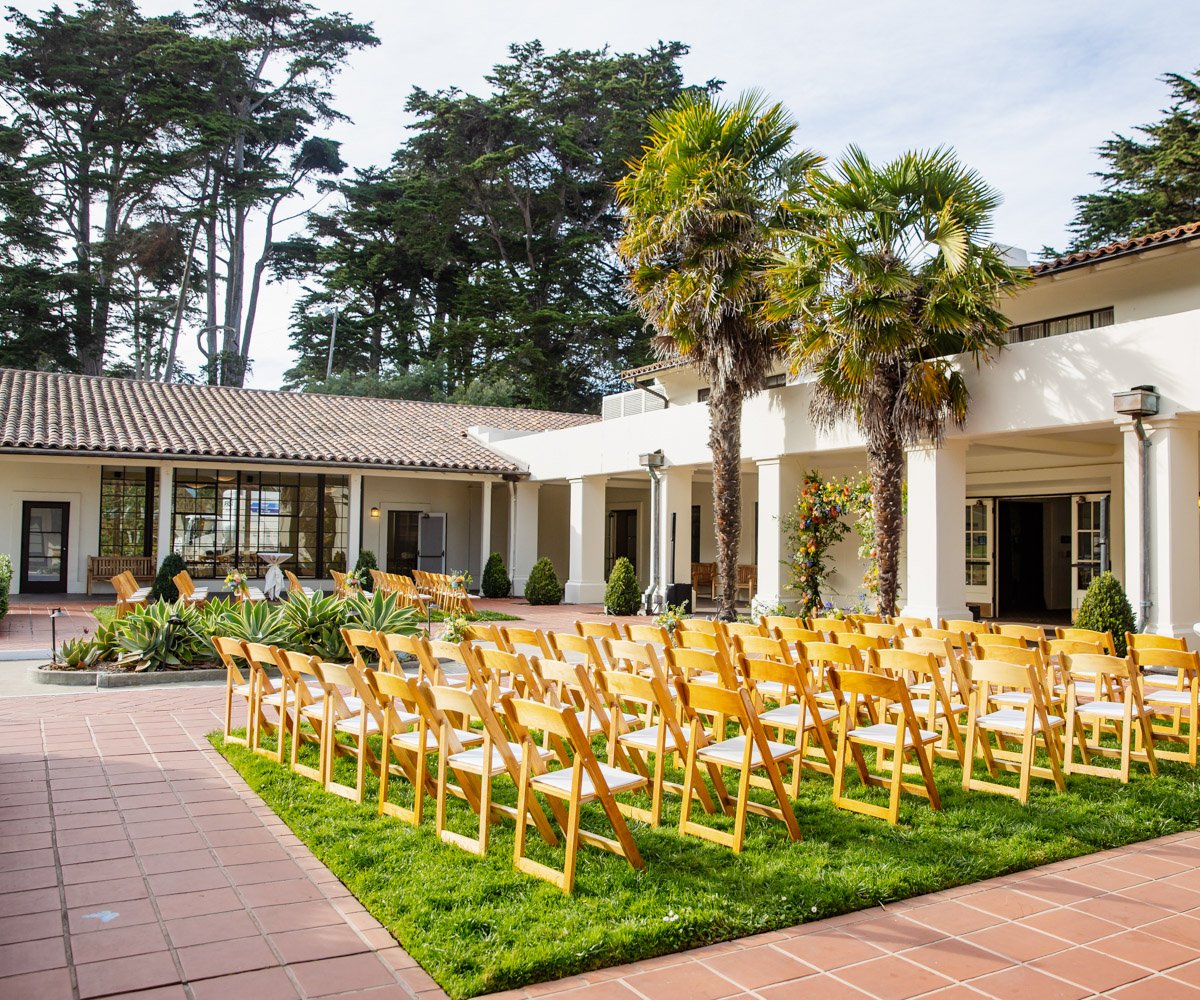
x,y
1139,402
375,513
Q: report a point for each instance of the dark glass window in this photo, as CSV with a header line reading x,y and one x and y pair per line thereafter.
x,y
127,511
221,519
696,533
1060,325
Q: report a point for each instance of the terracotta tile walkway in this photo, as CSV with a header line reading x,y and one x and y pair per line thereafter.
x,y
27,624
135,862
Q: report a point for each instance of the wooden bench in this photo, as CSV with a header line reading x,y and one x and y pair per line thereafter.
x,y
103,568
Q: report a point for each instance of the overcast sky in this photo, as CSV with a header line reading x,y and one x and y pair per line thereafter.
x,y
1023,90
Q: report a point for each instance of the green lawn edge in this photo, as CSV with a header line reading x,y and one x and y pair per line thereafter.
x,y
478,926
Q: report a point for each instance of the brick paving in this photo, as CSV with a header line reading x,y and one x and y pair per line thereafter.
x,y
135,862
27,624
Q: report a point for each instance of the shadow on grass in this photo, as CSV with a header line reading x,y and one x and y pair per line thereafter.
x,y
477,925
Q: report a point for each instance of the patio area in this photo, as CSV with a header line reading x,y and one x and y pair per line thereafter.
x,y
135,861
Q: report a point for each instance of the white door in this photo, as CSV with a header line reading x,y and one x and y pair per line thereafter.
x,y
978,526
1089,543
431,544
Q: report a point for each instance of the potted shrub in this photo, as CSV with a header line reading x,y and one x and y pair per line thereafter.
x,y
543,587
621,596
495,582
1105,608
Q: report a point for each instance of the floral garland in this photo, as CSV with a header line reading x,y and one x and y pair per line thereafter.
x,y
817,523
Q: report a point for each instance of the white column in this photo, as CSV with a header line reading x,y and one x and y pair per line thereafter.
x,y
676,500
524,533
166,504
354,533
485,530
1135,547
937,547
585,583
1175,528
778,482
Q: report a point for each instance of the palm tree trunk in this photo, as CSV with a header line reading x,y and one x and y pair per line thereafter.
x,y
725,440
885,453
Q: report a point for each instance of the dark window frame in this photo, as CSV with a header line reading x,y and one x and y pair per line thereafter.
x,y
1097,319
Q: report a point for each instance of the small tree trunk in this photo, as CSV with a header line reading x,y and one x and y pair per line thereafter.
x,y
725,440
886,458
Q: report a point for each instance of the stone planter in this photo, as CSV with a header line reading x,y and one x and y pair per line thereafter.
x,y
121,678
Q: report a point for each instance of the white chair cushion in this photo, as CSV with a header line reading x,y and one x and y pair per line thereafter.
x,y
732,752
354,724
1020,698
788,716
1174,699
647,739
1104,710
472,760
1011,720
884,734
770,689
560,781
242,689
411,741
920,707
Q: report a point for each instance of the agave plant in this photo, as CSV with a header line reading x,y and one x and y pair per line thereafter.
x,y
78,654
380,613
313,624
252,621
160,636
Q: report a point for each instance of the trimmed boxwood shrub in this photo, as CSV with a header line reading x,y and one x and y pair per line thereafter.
x,y
362,568
164,588
495,582
622,596
1105,608
543,587
5,582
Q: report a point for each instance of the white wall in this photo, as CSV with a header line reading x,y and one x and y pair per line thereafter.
x,y
554,527
459,500
73,482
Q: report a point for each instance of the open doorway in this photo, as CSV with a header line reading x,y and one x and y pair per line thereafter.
x,y
1033,559
622,538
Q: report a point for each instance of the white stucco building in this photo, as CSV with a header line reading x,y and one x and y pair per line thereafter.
x,y
1046,485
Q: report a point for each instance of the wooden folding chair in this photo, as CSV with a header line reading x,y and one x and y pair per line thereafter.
x,y
820,658
860,619
796,712
950,660
529,642
482,635
830,626
569,685
637,657
572,648
705,625
295,586
1170,687
994,682
883,630
967,626
349,716
267,694
127,596
863,643
1125,714
1103,639
730,629
408,737
770,623
985,641
390,647
585,780
189,593
477,767
632,696
460,653
598,630
794,635
935,708
746,753
1148,640
703,666
500,672
901,739
656,636
363,647
958,640
910,622
1031,635
299,672
237,684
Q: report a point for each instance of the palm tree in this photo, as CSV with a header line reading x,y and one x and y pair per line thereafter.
x,y
704,220
892,277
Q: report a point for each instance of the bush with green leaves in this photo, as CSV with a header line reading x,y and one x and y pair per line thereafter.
x,y
496,582
164,588
622,596
6,572
314,625
253,621
380,613
161,636
362,568
1105,608
543,587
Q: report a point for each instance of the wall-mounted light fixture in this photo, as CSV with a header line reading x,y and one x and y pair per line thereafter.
x,y
375,513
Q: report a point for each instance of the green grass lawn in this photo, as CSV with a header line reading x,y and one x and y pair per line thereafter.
x,y
477,925
438,615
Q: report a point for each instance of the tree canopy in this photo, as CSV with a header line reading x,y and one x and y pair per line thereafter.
x,y
1151,178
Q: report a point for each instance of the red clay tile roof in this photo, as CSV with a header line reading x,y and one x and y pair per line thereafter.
x,y
656,366
1178,234
46,411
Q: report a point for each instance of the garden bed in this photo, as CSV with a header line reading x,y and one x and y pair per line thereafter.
x,y
477,925
116,677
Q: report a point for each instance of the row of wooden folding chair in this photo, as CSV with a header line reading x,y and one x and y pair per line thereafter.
x,y
129,594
